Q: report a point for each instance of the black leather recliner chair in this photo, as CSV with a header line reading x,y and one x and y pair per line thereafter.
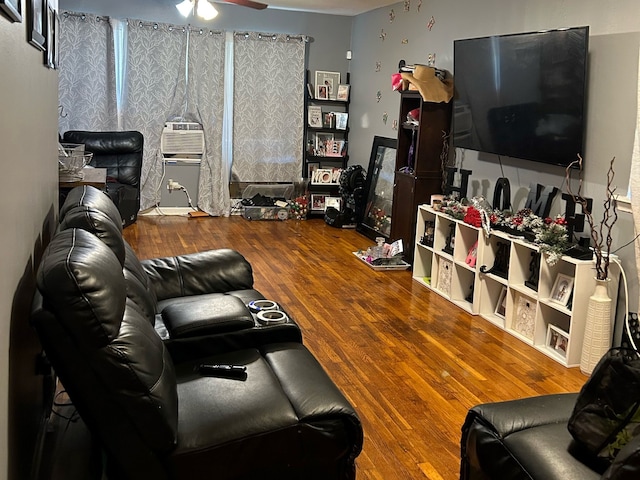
x,y
157,417
528,439
121,154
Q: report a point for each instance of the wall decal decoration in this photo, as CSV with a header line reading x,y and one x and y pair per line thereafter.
x,y
432,22
419,4
431,60
392,15
385,117
405,41
378,96
407,5
395,125
382,35
378,66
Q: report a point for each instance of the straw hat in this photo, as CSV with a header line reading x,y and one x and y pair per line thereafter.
x,y
431,88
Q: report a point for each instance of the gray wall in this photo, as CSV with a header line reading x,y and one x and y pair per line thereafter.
x,y
28,134
613,82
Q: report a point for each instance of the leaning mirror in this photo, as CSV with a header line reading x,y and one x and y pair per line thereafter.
x,y
376,221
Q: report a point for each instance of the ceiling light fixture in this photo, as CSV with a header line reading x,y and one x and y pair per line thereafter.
x,y
202,8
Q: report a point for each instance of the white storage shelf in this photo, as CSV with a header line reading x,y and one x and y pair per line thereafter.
x,y
516,301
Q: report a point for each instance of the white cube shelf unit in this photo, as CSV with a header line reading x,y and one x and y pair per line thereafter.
x,y
551,326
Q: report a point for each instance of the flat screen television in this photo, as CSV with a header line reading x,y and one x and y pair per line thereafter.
x,y
522,95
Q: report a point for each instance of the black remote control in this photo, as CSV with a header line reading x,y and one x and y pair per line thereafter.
x,y
238,372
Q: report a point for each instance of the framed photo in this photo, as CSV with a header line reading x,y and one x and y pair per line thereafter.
x,y
51,35
343,93
314,114
36,23
329,120
13,9
335,202
562,288
311,169
335,148
557,340
329,80
322,92
501,306
341,120
318,202
310,90
322,143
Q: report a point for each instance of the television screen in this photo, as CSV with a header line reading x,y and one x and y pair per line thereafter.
x,y
522,95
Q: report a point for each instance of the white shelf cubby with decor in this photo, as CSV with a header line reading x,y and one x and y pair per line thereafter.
x,y
511,284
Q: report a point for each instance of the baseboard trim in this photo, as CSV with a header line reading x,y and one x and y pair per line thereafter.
x,y
167,211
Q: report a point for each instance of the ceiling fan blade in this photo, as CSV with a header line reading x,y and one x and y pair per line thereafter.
x,y
247,3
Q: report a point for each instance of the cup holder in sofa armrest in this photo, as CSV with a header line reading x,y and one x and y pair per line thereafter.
x,y
210,316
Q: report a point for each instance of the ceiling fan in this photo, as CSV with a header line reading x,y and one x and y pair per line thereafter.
x,y
205,10
246,3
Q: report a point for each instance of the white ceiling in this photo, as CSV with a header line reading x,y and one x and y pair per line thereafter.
x,y
334,7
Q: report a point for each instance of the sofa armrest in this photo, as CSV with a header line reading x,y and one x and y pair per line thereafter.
x,y
212,271
626,465
505,418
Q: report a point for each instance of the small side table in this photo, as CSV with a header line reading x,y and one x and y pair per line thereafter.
x,y
96,177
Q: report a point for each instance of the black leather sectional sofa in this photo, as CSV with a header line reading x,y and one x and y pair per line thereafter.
x,y
128,339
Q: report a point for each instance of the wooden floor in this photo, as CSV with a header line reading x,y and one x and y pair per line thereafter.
x,y
410,362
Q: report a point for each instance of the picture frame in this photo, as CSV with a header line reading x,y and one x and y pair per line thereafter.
x,y
310,91
562,289
12,9
322,176
51,34
557,340
501,305
322,143
330,80
525,318
342,119
322,92
335,202
343,92
329,120
314,116
36,23
318,202
335,148
311,169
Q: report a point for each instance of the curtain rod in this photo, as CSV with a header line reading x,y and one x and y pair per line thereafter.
x,y
83,16
272,36
184,28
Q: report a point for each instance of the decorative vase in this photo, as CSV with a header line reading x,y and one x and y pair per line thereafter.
x,y
597,333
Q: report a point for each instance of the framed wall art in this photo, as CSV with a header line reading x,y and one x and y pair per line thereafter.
x,y
36,23
12,9
51,34
330,82
318,202
343,93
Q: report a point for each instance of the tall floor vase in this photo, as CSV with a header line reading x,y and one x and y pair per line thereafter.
x,y
597,334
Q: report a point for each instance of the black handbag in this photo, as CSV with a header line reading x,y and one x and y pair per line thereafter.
x,y
607,413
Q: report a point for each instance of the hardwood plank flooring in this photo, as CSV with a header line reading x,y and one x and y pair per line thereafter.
x,y
410,362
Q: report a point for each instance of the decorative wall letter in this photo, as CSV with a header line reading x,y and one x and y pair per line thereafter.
x,y
575,222
502,190
540,199
449,187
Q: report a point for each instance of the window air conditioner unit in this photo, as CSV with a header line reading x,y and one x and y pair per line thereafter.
x,y
182,138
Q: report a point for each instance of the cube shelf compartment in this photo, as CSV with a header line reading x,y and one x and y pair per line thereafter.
x,y
519,299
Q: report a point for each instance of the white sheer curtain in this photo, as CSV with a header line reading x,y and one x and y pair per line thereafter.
x,y
154,93
268,107
86,90
205,103
634,185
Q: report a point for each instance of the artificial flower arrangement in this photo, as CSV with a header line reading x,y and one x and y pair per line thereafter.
x,y
550,234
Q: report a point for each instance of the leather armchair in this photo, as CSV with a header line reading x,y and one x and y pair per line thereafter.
x,y
121,154
159,420
528,439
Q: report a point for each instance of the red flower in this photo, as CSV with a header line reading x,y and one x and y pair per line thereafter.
x,y
472,217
